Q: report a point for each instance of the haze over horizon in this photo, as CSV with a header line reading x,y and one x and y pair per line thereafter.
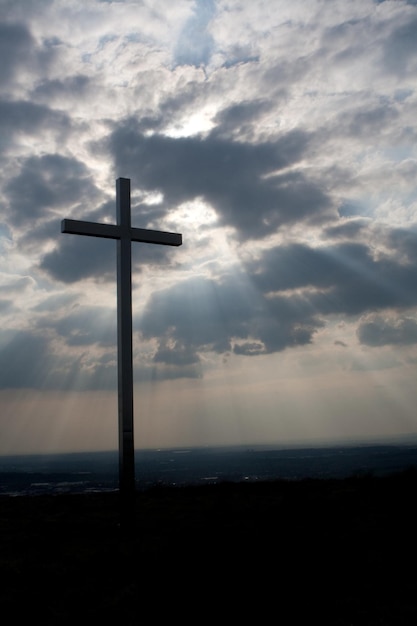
x,y
280,139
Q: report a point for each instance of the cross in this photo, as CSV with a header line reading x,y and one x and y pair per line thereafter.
x,y
124,234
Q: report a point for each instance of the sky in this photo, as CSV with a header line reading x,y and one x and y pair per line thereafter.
x,y
280,139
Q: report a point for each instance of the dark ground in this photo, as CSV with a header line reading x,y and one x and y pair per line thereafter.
x,y
339,552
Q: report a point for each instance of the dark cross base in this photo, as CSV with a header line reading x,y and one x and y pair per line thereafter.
x,y
124,234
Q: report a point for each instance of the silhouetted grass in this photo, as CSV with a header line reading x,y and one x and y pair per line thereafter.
x,y
338,552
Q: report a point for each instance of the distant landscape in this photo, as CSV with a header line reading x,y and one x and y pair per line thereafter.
x,y
98,471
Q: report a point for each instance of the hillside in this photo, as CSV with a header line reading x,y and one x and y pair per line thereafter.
x,y
340,552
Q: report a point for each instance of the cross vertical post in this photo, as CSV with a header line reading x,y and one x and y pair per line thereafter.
x,y
124,233
124,347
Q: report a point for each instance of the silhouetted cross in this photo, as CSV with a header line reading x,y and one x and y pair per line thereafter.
x,y
125,234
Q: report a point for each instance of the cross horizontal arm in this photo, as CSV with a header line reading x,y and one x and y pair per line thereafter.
x,y
76,227
155,236
112,231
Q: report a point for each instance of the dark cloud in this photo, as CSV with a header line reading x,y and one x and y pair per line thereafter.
x,y
343,278
21,358
69,87
289,321
36,197
16,44
45,184
177,354
19,50
28,360
380,331
196,312
85,325
23,117
25,361
240,180
281,302
76,258
59,352
238,119
405,241
368,121
201,314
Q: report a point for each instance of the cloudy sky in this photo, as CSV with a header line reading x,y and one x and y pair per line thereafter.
x,y
280,139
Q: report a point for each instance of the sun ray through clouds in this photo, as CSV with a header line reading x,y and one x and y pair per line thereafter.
x,y
281,143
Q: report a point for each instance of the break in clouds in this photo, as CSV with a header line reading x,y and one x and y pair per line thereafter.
x,y
279,139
